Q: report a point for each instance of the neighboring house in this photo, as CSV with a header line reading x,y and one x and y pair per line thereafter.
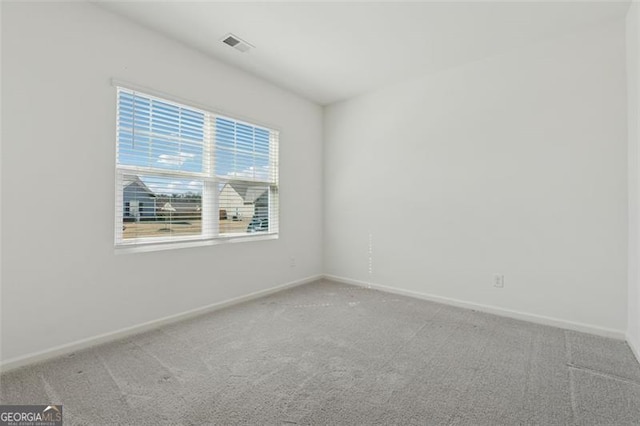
x,y
262,205
139,202
243,200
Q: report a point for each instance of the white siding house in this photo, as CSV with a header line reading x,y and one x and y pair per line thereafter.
x,y
138,201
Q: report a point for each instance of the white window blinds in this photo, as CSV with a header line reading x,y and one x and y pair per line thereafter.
x,y
183,173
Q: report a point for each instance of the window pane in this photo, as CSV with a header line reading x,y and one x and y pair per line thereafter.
x,y
243,151
176,163
160,207
157,134
244,208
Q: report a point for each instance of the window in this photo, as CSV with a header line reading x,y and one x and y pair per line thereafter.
x,y
183,173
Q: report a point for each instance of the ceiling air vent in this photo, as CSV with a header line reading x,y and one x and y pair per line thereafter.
x,y
237,43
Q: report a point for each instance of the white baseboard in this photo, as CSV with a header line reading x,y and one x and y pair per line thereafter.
x,y
61,350
68,348
538,319
635,349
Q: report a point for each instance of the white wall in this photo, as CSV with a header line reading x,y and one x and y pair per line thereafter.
x,y
61,280
515,164
633,97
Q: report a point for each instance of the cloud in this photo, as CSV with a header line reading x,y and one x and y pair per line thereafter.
x,y
251,173
175,160
167,186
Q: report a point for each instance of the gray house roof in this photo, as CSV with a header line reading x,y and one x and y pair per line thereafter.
x,y
128,180
249,193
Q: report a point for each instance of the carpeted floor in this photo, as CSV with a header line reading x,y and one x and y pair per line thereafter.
x,y
328,353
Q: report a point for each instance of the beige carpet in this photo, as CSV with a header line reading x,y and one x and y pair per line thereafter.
x,y
328,353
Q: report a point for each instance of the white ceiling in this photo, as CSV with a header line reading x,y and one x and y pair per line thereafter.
x,y
330,51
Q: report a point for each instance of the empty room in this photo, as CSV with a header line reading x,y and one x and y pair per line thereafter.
x,y
320,213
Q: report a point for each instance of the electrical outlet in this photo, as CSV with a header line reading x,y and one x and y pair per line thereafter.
x,y
498,280
292,262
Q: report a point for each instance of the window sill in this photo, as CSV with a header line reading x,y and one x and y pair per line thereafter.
x,y
148,247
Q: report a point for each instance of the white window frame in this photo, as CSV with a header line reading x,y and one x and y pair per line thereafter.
x,y
210,234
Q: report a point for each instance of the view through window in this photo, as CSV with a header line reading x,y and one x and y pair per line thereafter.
x,y
184,173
